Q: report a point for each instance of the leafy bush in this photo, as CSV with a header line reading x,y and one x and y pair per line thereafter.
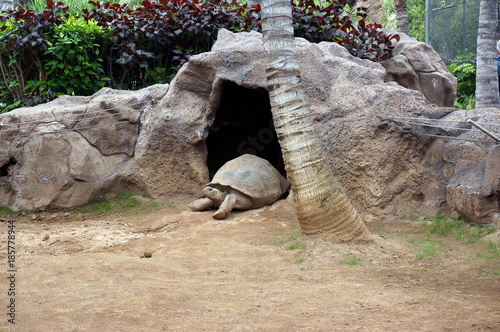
x,y
23,36
319,21
73,57
464,69
49,53
151,42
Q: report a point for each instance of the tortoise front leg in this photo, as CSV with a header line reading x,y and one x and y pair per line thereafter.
x,y
201,204
226,207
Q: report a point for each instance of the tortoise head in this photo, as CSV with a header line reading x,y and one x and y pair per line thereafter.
x,y
215,194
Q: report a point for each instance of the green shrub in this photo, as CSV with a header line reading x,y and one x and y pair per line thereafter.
x,y
72,61
23,37
464,69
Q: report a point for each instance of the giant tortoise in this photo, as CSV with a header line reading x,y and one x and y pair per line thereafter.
x,y
246,182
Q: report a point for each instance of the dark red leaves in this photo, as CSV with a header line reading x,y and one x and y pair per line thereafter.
x,y
335,23
147,45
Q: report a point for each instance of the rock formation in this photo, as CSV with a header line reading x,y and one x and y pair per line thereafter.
x,y
166,141
415,65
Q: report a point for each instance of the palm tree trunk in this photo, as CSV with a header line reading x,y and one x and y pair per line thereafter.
x,y
402,16
320,204
486,72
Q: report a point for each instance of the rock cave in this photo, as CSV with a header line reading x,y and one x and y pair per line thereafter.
x,y
217,108
4,169
243,124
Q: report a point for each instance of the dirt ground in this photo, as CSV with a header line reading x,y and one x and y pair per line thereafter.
x,y
251,272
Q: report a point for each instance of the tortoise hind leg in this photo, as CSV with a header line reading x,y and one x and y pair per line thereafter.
x,y
201,204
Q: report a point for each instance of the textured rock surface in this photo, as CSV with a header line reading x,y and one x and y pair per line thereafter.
x,y
156,141
71,150
463,174
415,65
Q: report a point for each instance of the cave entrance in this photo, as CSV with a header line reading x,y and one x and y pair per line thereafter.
x,y
4,170
243,124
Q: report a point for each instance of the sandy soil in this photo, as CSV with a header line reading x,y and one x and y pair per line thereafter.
x,y
81,273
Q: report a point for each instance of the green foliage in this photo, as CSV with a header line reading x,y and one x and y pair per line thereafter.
x,y
23,37
453,30
75,6
73,57
79,47
416,17
464,69
388,15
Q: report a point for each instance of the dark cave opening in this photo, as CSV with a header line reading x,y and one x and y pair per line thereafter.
x,y
4,169
243,124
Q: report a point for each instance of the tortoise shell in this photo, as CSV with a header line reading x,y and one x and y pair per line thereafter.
x,y
254,177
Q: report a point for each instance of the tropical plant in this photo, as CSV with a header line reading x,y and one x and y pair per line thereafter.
x,y
464,69
73,56
320,204
23,36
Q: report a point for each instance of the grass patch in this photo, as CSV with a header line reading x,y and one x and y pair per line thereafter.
x,y
492,251
296,245
409,215
289,240
350,260
491,256
382,231
294,235
444,226
300,260
427,247
306,268
5,212
121,203
442,230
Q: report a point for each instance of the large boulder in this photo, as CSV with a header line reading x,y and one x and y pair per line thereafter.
x,y
165,141
415,65
462,171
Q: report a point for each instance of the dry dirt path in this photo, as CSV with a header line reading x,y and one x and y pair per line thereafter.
x,y
240,274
